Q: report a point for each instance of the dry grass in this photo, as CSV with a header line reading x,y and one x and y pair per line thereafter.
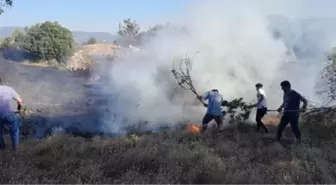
x,y
239,155
81,60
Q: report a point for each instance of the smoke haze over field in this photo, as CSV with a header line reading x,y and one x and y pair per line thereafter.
x,y
237,49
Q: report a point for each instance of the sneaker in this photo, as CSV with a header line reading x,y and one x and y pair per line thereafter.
x,y
221,127
203,129
298,142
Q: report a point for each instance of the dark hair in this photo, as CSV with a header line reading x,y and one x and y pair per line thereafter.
x,y
285,84
259,85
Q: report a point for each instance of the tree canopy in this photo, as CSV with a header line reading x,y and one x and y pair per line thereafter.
x,y
47,41
129,29
91,41
5,3
328,83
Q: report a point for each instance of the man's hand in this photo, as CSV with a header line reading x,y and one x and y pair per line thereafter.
x,y
199,97
225,103
303,109
253,105
279,109
19,107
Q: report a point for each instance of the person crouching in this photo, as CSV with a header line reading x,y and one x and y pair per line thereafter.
x,y
8,116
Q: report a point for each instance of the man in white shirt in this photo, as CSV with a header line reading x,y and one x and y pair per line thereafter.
x,y
214,111
261,106
8,115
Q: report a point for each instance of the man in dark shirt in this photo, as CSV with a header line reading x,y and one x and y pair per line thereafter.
x,y
291,106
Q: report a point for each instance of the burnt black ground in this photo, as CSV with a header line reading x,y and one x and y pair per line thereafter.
x,y
62,101
57,98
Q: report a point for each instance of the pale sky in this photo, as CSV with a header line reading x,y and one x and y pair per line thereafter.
x,y
104,15
99,15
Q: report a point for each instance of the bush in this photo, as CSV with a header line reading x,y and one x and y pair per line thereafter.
x,y
48,41
91,41
6,42
327,85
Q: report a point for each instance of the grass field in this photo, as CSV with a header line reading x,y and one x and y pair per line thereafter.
x,y
239,155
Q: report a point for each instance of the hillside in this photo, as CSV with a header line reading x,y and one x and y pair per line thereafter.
x,y
87,54
79,36
76,129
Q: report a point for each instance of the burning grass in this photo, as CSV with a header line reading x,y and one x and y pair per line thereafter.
x,y
239,155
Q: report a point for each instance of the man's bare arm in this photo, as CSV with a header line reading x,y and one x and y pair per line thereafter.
x,y
305,102
17,98
204,96
281,107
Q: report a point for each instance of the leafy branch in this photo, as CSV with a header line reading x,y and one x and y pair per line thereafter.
x,y
182,67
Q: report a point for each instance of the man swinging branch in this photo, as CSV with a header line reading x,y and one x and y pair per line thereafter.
x,y
214,110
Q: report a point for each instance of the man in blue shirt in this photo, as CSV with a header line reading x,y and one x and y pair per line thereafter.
x,y
214,111
291,113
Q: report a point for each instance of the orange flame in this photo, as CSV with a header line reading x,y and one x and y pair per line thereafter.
x,y
193,128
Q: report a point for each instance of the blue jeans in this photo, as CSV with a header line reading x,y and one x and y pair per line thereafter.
x,y
13,120
293,119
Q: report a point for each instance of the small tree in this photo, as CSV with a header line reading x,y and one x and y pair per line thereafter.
x,y
49,40
129,29
18,36
6,42
5,3
91,41
327,86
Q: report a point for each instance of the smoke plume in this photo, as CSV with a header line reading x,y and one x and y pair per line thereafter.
x,y
237,47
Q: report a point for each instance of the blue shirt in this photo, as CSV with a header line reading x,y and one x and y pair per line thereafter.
x,y
214,102
291,100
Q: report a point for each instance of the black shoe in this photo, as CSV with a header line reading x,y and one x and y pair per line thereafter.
x,y
221,127
298,142
203,129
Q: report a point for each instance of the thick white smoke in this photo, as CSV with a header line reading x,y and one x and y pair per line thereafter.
x,y
236,50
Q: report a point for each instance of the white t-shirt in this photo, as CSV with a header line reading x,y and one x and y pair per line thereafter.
x,y
6,99
263,103
214,102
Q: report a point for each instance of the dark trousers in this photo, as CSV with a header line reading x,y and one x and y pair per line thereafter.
x,y
260,114
293,119
209,117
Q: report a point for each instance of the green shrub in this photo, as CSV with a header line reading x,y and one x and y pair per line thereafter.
x,y
48,41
